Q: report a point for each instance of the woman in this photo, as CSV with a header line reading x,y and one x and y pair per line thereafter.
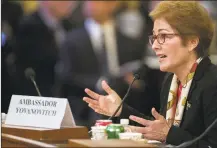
x,y
181,36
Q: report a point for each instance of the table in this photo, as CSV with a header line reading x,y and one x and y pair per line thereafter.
x,y
111,143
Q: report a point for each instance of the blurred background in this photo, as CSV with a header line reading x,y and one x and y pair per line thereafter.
x,y
72,45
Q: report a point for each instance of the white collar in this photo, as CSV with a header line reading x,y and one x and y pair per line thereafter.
x,y
94,27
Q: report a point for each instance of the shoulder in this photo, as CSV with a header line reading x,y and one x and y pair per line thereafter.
x,y
209,90
211,71
30,20
207,86
209,78
31,25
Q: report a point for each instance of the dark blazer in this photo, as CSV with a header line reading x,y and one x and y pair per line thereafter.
x,y
36,47
203,111
79,67
11,15
81,60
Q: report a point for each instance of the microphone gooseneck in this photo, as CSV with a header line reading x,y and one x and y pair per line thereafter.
x,y
136,77
140,73
30,74
188,143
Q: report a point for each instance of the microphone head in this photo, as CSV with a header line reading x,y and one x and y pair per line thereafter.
x,y
137,76
29,73
141,72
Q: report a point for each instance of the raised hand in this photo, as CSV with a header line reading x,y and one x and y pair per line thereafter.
x,y
101,104
153,130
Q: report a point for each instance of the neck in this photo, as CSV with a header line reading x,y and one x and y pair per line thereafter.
x,y
183,70
104,20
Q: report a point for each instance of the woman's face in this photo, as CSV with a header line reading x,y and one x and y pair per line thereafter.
x,y
99,10
61,9
170,52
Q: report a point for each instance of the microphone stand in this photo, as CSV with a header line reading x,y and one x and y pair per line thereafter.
x,y
129,88
33,81
188,143
136,77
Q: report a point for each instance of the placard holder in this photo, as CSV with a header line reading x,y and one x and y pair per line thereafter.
x,y
47,135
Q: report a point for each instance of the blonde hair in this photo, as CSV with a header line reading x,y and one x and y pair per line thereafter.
x,y
189,19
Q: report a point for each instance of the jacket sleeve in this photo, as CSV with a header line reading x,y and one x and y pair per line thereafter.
x,y
177,135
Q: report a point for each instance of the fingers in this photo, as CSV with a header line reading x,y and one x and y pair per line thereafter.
x,y
140,120
156,136
148,136
90,101
140,129
95,108
92,94
156,114
106,87
92,104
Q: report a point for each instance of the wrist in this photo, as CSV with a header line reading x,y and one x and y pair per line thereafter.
x,y
119,112
165,133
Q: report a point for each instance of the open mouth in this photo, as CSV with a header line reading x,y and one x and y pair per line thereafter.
x,y
163,56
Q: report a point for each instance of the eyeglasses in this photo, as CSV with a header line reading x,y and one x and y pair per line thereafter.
x,y
160,37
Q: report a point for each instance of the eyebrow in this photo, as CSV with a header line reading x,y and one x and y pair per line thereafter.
x,y
159,30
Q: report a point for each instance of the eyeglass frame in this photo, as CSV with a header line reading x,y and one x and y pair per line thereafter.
x,y
151,37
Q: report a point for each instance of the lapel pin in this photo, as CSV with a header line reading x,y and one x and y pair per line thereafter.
x,y
188,105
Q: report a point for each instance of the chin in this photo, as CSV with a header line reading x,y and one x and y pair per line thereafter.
x,y
164,68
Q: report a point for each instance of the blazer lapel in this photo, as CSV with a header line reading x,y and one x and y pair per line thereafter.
x,y
88,45
164,93
198,75
87,41
194,90
167,82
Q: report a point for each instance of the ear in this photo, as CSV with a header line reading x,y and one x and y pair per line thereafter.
x,y
193,43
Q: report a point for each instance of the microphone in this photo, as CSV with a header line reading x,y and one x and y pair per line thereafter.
x,y
129,88
137,75
140,73
188,143
30,75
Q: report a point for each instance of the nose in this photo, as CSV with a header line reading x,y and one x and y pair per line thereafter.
x,y
155,45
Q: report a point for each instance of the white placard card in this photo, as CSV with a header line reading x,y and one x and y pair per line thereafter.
x,y
43,112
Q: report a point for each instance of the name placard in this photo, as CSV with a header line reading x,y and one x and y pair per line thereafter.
x,y
44,112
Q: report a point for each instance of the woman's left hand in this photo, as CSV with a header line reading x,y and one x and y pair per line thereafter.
x,y
153,130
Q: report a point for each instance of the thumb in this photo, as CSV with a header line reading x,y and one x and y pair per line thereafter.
x,y
155,114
